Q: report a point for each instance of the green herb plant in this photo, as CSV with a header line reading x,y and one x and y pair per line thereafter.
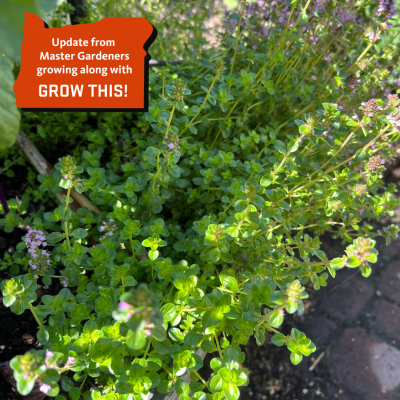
x,y
213,203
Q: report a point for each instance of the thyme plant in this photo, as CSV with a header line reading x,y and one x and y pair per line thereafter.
x,y
212,203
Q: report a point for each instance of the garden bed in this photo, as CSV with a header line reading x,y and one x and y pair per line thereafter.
x,y
271,374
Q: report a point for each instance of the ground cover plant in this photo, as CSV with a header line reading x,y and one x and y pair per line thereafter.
x,y
212,203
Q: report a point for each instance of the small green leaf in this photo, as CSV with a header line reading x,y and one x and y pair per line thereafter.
x,y
278,339
214,255
55,237
79,233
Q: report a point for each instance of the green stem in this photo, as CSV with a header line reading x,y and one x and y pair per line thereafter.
x,y
201,107
230,112
157,173
147,350
66,222
204,382
304,263
32,308
84,380
132,249
217,343
326,172
237,37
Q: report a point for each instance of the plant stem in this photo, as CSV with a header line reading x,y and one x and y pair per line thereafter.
x,y
217,343
66,222
147,350
201,107
215,140
32,308
132,249
157,173
84,380
237,37
204,382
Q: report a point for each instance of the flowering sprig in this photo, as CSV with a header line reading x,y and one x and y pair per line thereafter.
x,y
350,84
360,189
386,9
139,311
69,171
39,258
371,107
394,118
108,228
39,366
375,165
359,254
372,35
172,142
64,281
291,297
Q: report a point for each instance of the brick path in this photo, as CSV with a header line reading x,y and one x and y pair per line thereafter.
x,y
358,327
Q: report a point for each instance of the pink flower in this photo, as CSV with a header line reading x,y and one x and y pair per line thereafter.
x,y
45,388
69,362
123,305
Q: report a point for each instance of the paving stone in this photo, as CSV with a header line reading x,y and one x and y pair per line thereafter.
x,y
319,329
366,366
389,283
346,301
385,318
391,250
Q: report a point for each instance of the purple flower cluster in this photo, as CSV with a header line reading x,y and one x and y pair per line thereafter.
x,y
393,99
362,252
386,8
40,259
70,361
370,108
375,164
178,90
172,142
394,119
64,281
372,36
108,228
360,189
350,83
49,355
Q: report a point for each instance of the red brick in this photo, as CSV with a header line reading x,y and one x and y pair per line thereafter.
x,y
389,283
392,250
366,366
319,329
385,318
346,301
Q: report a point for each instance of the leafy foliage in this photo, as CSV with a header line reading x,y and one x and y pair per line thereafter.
x,y
212,204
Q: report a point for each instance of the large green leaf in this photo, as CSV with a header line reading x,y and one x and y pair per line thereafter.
x,y
11,33
12,25
12,22
9,113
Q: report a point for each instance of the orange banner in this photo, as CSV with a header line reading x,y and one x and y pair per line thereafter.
x,y
103,66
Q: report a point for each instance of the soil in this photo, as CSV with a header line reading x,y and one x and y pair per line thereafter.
x,y
272,376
